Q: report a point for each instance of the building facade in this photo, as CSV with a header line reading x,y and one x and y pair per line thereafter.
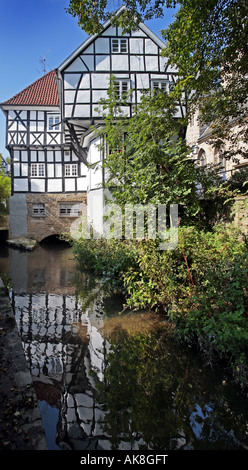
x,y
48,128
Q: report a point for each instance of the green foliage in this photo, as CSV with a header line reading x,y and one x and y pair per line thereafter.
x,y
107,258
5,187
147,160
150,392
201,286
140,383
91,14
207,42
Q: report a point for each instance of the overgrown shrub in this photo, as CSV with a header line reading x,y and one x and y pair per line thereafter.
x,y
201,286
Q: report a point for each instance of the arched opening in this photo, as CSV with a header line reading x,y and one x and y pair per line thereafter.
x,y
54,240
202,158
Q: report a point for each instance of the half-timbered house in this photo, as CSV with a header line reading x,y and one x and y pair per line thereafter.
x,y
48,128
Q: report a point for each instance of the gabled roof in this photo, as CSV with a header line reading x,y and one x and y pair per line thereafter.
x,y
43,92
90,39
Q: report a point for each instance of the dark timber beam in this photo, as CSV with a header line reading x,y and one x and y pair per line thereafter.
x,y
81,152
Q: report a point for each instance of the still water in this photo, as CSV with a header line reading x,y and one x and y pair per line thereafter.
x,y
110,381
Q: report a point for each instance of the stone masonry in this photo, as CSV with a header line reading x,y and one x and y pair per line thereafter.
x,y
51,223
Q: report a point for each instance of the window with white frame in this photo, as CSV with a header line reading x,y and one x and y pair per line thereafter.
x,y
70,209
53,122
121,89
38,210
161,85
37,170
119,45
71,169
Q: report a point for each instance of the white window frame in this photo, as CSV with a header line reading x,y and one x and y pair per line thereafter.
x,y
71,169
122,86
158,84
119,45
38,210
37,170
53,122
70,209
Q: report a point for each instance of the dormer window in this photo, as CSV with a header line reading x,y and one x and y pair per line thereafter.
x,y
53,122
119,45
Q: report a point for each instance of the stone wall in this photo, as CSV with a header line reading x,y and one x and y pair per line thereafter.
x,y
241,213
51,223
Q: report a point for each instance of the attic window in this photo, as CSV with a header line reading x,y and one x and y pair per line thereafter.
x,y
119,45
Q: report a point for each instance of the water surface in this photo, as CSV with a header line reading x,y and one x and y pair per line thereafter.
x,y
110,381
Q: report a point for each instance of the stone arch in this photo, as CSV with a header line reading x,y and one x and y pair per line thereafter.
x,y
202,157
55,237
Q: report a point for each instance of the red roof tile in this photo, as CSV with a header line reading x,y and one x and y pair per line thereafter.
x,y
42,92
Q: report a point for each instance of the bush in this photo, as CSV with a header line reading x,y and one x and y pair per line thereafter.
x,y
201,286
108,258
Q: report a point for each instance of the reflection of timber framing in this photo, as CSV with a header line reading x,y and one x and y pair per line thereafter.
x,y
62,346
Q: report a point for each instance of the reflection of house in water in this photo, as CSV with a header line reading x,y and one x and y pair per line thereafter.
x,y
46,269
63,346
60,332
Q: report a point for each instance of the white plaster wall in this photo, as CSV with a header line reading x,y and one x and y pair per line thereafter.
x,y
70,184
54,185
83,96
50,170
71,81
24,169
111,31
100,80
20,184
119,62
37,185
150,47
84,169
89,62
58,170
82,184
136,46
151,63
95,209
103,62
24,156
142,80
82,110
77,66
16,169
102,46
137,63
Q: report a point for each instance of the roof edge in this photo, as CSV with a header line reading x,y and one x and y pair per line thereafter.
x,y
10,101
90,39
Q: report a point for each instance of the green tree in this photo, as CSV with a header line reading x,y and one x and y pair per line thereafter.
x,y
5,186
147,158
207,42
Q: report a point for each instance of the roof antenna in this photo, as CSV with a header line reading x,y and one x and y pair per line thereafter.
x,y
43,62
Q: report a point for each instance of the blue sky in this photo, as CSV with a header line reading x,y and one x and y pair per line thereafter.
x,y
31,30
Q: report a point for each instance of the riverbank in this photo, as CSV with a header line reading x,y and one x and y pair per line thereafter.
x,y
20,420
